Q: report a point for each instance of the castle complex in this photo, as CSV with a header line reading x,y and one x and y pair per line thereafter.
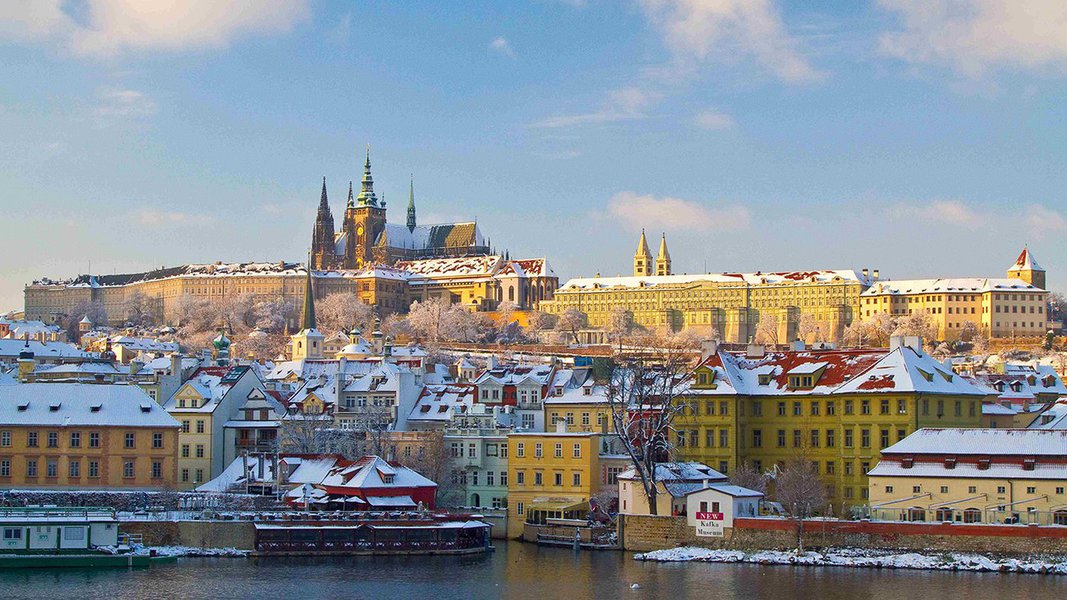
x,y
387,265
729,306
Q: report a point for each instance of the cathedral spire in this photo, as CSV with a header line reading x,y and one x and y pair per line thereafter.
x,y
366,194
411,204
642,258
307,319
663,261
351,198
324,203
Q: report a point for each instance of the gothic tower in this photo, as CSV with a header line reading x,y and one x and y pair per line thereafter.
x,y
642,258
307,343
322,249
663,261
364,222
1027,269
411,205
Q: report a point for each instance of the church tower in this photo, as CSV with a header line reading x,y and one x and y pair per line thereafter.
x,y
411,205
642,258
1027,269
307,343
663,261
322,246
364,222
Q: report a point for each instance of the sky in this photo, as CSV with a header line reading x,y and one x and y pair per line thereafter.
x,y
925,138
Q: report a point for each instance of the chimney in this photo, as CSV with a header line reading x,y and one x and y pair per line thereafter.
x,y
875,273
135,366
797,345
491,364
864,271
561,426
176,364
755,350
708,348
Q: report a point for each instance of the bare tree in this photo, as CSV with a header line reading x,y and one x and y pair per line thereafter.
x,y
94,310
767,330
646,392
747,476
620,324
425,318
139,310
799,490
571,320
919,323
807,328
342,311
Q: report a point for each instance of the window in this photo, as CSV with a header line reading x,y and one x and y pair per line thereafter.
x,y
848,407
200,426
157,469
520,450
200,451
127,469
865,407
185,450
538,478
185,475
1001,489
884,438
31,439
781,438
848,438
848,467
130,438
5,438
916,489
12,533
724,408
577,451
889,489
199,475
94,468
558,479
519,508
53,439
972,489
185,425
157,440
559,450
757,408
830,467
724,438
504,478
796,438
709,438
865,438
757,438
74,469
883,407
814,408
73,534
944,489
831,440
1031,490
538,450
797,410
831,408
781,409
31,468
52,468
814,438
5,467
75,439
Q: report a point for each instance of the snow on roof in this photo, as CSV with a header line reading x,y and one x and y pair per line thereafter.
x,y
426,237
310,469
995,408
967,470
680,472
526,267
961,285
1025,262
235,472
76,404
758,278
141,344
984,442
368,472
219,269
443,402
730,490
461,266
516,374
1052,418
10,349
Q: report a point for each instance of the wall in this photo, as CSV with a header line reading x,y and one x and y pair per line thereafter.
x,y
198,534
641,533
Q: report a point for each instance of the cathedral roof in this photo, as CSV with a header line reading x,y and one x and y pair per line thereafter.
x,y
425,237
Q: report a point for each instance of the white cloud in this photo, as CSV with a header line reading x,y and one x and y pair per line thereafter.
x,y
975,36
123,104
697,31
627,104
112,26
946,212
501,45
714,120
151,217
675,214
1042,220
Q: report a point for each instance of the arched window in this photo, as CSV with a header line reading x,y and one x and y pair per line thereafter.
x,y
944,514
511,293
1059,517
972,515
916,513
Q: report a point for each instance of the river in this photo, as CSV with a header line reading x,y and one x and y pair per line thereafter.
x,y
519,571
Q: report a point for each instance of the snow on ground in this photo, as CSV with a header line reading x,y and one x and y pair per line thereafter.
x,y
853,557
181,551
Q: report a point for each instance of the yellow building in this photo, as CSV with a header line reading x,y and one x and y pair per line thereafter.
x,y
71,436
203,405
583,408
836,408
973,476
730,304
674,481
551,475
1015,306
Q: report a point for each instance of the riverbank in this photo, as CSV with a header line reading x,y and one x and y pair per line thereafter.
x,y
177,551
864,558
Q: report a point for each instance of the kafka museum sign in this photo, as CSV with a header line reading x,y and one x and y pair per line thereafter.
x,y
709,524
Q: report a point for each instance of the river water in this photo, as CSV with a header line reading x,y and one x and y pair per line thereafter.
x,y
515,570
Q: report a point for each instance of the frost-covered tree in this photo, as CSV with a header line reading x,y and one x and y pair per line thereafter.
x,y
271,315
620,324
139,310
424,319
342,311
570,321
94,310
767,330
747,476
919,323
808,328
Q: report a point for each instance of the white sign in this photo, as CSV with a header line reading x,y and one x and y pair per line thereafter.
x,y
709,524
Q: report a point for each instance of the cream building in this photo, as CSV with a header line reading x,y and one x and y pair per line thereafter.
x,y
973,476
999,308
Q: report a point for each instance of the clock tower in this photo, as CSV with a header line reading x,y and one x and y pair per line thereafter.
x,y
364,222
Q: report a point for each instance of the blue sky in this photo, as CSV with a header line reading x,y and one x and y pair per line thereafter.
x,y
922,137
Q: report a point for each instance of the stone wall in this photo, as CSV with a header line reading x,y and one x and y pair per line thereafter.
x,y
198,534
641,533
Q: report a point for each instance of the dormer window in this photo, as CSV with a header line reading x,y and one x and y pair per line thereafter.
x,y
53,407
388,478
1029,464
765,379
907,463
926,375
587,391
950,463
983,464
23,406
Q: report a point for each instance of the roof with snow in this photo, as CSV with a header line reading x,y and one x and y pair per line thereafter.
x,y
428,237
443,402
1025,262
76,404
680,478
983,442
758,278
957,285
516,375
193,270
1053,418
460,266
10,348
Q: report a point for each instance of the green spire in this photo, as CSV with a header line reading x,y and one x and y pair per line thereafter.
x,y
411,204
307,320
366,194
351,198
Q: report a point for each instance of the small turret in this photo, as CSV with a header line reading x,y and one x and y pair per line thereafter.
x,y
663,261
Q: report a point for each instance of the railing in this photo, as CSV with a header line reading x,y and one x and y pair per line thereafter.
x,y
968,516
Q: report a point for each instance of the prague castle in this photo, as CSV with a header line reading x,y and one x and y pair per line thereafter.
x,y
731,305
385,264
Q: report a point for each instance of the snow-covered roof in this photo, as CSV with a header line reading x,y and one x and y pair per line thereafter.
x,y
10,349
235,472
983,442
1025,262
680,478
730,490
1054,417
76,404
995,408
758,278
887,468
369,472
526,267
247,269
140,344
516,375
425,237
443,402
460,266
942,286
